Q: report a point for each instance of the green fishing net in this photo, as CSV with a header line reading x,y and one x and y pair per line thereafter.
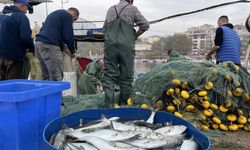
x,y
226,78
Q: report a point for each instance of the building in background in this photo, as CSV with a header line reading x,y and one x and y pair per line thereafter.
x,y
244,38
153,39
202,38
141,48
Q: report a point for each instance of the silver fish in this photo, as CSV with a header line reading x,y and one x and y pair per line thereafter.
x,y
60,137
102,144
151,117
189,145
146,143
145,124
69,146
152,143
104,122
173,142
124,127
143,131
172,130
151,135
126,146
106,134
81,146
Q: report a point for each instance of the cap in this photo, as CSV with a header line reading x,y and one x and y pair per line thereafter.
x,y
23,2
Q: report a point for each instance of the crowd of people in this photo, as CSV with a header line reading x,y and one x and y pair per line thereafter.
x,y
117,66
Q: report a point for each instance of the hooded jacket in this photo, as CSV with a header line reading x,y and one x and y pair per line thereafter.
x,y
57,30
15,34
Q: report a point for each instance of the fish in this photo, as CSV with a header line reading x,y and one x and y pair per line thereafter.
x,y
150,142
189,145
151,117
151,135
60,137
171,130
124,127
145,124
147,143
173,142
103,144
123,145
80,146
143,132
104,122
106,134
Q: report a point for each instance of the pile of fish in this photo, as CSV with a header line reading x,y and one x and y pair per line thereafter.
x,y
110,134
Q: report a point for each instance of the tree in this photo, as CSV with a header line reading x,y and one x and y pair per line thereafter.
x,y
179,42
157,46
168,43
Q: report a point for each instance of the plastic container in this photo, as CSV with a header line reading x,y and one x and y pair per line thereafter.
x,y
26,107
125,114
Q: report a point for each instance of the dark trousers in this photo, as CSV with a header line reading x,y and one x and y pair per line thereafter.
x,y
10,69
118,69
50,58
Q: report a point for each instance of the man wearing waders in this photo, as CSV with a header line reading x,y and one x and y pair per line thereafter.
x,y
119,49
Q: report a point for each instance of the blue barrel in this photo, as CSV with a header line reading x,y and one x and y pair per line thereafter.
x,y
125,114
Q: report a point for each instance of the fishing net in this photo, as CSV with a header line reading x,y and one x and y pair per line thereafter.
x,y
205,94
68,62
73,104
196,88
35,69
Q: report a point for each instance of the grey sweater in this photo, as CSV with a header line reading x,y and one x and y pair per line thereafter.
x,y
130,14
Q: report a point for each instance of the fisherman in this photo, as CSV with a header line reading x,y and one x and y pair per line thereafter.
x,y
56,31
227,43
90,81
119,51
15,40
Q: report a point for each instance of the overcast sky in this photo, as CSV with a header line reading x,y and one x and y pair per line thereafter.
x,y
152,10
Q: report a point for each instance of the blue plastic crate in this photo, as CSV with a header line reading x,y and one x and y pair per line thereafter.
x,y
26,106
125,114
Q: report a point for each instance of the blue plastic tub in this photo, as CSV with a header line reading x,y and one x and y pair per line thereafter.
x,y
26,107
73,120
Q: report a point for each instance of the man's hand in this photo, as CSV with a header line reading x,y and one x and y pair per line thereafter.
x,y
208,57
66,50
213,50
30,55
72,55
138,33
